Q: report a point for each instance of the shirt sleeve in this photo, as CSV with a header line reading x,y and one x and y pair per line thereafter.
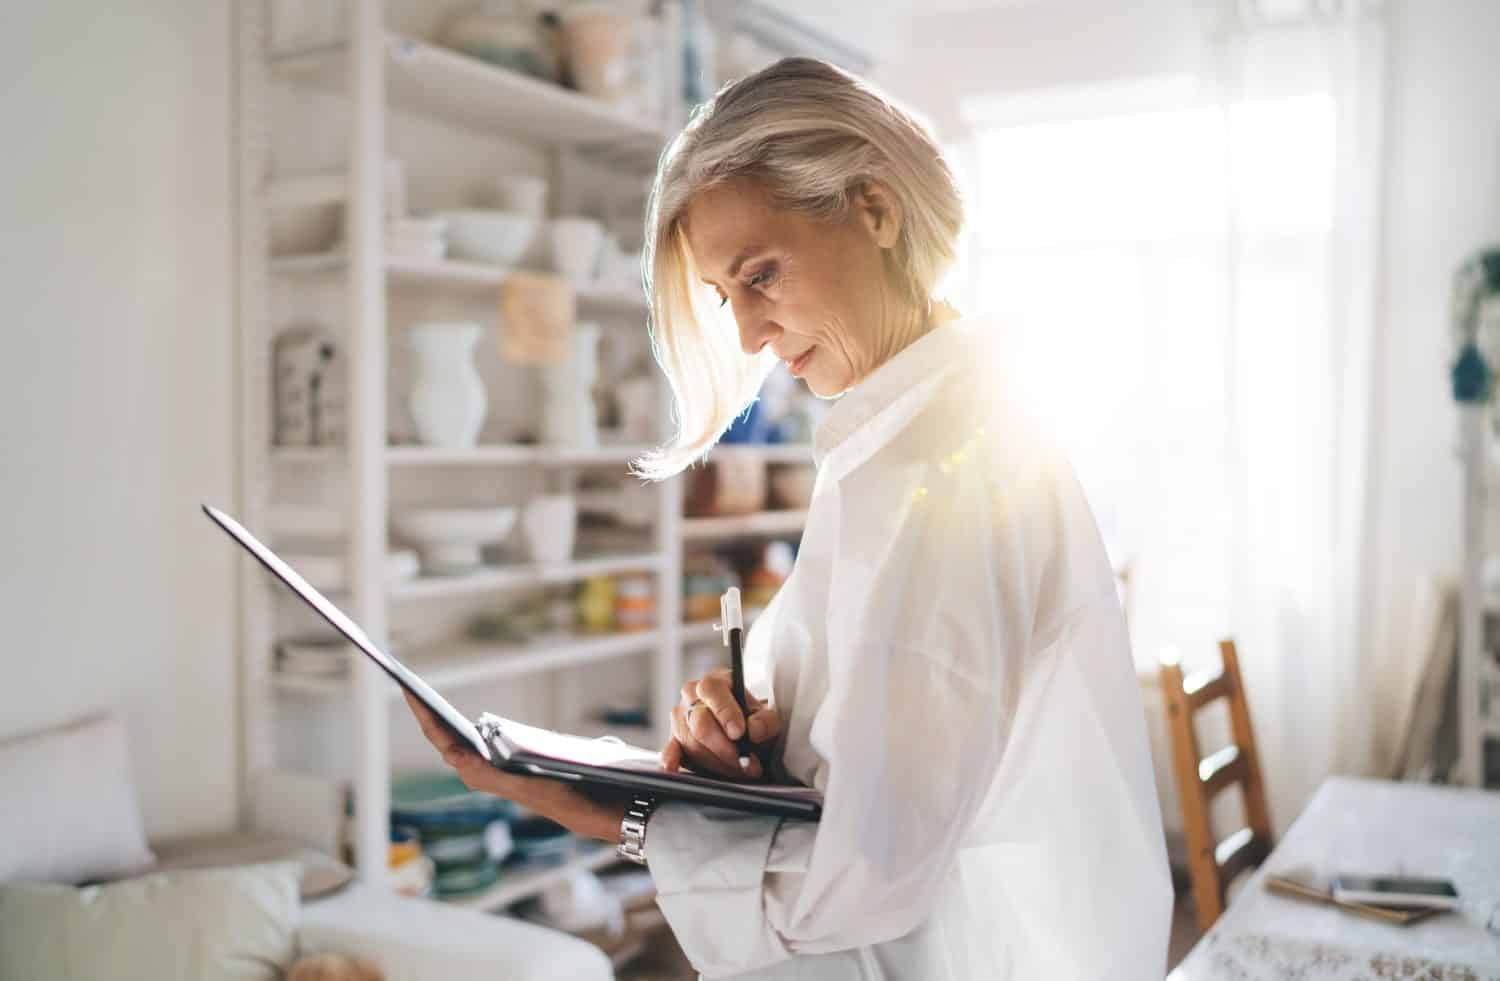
x,y
923,676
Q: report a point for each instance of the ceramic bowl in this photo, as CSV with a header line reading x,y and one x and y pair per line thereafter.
x,y
481,235
448,539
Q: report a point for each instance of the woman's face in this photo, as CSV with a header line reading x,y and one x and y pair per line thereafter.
x,y
816,293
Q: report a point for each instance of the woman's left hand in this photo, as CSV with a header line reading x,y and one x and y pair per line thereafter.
x,y
552,799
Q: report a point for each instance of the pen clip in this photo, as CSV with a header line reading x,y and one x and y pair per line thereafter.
x,y
732,617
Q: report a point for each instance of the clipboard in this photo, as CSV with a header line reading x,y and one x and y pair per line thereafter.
x,y
608,763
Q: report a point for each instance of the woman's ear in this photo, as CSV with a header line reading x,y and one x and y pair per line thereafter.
x,y
879,212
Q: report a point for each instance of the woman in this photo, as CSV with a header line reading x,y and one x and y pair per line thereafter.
x,y
947,662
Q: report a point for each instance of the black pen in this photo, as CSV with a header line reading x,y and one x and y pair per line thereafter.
x,y
734,627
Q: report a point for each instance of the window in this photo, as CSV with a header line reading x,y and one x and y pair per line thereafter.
x,y
1125,257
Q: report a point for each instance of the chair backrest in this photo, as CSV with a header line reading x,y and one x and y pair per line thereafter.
x,y
1214,864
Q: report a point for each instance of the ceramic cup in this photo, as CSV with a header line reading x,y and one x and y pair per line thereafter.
x,y
550,523
575,248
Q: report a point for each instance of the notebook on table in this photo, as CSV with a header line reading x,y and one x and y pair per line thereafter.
x,y
606,763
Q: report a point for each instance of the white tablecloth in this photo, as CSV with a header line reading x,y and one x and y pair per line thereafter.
x,y
1367,826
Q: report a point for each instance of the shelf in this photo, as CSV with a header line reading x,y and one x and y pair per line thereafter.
x,y
518,884
415,272
515,455
769,452
763,524
307,264
472,662
495,454
494,578
434,81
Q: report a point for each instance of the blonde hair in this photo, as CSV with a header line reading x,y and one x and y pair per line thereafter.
x,y
807,133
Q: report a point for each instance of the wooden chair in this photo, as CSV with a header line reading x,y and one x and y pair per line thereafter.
x,y
1213,865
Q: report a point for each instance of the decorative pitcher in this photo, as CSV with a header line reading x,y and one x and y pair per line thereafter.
x,y
447,399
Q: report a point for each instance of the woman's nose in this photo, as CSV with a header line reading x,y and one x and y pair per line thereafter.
x,y
756,329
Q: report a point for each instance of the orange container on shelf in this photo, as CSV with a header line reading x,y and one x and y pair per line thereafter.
x,y
635,603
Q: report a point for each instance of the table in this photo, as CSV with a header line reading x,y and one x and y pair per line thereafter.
x,y
1368,826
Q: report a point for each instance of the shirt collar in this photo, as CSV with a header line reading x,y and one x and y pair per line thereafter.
x,y
924,360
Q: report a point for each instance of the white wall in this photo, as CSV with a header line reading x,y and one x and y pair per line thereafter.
x,y
116,386
1442,200
1006,47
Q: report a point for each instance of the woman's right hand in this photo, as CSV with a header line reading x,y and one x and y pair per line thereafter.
x,y
706,723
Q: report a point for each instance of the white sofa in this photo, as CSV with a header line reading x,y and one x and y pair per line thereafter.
x,y
414,939
71,816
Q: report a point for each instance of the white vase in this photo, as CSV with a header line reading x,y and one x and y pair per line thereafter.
x,y
447,399
568,393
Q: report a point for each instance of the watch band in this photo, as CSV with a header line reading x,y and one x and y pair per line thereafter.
x,y
633,830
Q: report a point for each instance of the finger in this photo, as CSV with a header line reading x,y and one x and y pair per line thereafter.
x,y
671,756
765,724
709,735
693,754
687,747
689,692
718,694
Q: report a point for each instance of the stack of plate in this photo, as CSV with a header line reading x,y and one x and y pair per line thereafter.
x,y
464,832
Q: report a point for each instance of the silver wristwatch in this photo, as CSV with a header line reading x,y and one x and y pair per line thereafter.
x,y
633,830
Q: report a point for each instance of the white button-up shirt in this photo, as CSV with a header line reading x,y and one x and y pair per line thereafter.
x,y
952,665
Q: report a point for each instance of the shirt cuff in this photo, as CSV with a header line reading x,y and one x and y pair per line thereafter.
x,y
709,864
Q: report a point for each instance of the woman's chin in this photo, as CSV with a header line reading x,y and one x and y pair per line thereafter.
x,y
824,388
828,384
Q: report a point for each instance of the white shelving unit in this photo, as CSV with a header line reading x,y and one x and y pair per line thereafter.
x,y
1477,297
376,72
383,80
1478,670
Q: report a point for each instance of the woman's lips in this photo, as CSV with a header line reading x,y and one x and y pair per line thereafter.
x,y
796,365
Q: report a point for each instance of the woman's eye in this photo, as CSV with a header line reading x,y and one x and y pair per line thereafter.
x,y
762,277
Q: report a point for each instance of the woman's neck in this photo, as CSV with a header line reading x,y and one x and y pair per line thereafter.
x,y
911,325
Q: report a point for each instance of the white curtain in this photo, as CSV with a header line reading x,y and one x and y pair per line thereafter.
x,y
1190,271
1301,325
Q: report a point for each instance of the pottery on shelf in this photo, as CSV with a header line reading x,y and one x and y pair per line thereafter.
x,y
447,399
449,539
504,33
568,417
576,245
522,195
596,46
488,235
550,524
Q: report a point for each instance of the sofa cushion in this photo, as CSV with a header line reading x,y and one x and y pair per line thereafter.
x,y
421,939
321,875
233,924
70,813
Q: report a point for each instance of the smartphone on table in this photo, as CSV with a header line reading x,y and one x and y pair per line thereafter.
x,y
1395,890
